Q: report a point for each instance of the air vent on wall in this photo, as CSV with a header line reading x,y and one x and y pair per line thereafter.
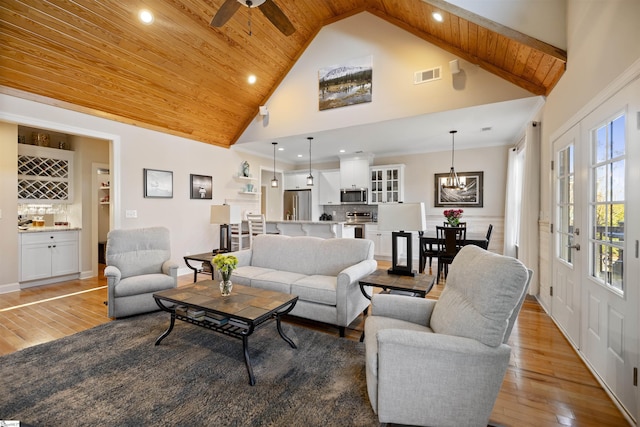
x,y
427,75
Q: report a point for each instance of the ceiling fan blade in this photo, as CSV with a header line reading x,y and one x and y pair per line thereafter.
x,y
277,17
224,13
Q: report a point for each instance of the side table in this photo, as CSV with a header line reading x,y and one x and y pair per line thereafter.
x,y
203,258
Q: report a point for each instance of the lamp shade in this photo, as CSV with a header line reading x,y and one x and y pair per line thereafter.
x,y
225,214
401,216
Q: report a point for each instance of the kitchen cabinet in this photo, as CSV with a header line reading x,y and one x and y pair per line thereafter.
x,y
329,187
383,244
354,172
381,240
386,184
45,175
45,255
297,180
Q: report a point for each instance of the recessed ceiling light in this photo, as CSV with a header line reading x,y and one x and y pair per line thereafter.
x,y
145,16
280,149
437,16
252,79
299,155
343,151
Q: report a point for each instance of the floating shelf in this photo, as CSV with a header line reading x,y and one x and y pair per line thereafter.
x,y
245,178
249,192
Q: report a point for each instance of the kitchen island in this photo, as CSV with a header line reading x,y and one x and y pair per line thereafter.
x,y
324,229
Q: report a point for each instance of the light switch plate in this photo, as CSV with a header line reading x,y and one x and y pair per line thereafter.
x,y
131,213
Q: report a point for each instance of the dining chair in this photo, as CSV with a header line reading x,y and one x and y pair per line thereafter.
x,y
429,250
450,241
238,236
460,224
489,230
257,225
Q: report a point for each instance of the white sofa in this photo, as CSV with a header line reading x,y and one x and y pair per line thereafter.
x,y
323,273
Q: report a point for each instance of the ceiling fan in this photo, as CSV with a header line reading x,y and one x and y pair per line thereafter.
x,y
267,7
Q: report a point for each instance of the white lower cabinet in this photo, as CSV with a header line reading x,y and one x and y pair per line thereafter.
x,y
381,240
45,255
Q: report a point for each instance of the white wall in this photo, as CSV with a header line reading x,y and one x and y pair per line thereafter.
x,y
133,149
397,55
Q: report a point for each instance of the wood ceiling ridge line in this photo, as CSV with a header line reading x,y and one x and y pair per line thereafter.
x,y
492,68
534,43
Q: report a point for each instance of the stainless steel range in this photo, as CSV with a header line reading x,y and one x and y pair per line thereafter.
x,y
358,220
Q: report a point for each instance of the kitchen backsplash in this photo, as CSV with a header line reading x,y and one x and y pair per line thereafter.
x,y
339,212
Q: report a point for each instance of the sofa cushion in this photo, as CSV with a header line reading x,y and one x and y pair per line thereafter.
x,y
243,275
464,311
144,284
308,255
316,288
276,281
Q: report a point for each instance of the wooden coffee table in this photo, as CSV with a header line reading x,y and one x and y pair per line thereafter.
x,y
237,315
420,284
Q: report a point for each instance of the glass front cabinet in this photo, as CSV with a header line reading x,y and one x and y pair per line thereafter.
x,y
387,184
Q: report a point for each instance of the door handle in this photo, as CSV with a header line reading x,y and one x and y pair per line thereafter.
x,y
576,246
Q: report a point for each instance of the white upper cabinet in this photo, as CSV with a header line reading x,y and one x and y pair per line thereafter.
x,y
44,175
296,180
354,172
329,183
386,184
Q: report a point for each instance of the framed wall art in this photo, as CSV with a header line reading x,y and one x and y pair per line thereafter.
x,y
345,84
470,196
201,187
158,183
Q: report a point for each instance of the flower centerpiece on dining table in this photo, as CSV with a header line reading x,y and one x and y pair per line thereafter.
x,y
225,265
453,216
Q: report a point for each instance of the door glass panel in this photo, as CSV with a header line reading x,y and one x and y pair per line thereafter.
x,y
607,212
564,204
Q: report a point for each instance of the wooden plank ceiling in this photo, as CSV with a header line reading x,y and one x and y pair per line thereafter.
x,y
183,77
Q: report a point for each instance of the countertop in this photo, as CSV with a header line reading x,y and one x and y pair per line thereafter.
x,y
48,229
306,222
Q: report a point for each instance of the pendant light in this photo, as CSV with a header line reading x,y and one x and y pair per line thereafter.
x,y
274,181
453,182
310,177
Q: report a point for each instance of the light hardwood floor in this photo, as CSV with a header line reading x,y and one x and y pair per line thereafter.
x,y
546,383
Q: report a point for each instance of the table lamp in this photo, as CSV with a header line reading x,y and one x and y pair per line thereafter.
x,y
401,219
225,215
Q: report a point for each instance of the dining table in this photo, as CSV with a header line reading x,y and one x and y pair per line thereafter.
x,y
428,239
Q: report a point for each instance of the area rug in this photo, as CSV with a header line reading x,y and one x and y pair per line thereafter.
x,y
114,375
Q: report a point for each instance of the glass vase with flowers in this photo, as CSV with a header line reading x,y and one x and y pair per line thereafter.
x,y
225,265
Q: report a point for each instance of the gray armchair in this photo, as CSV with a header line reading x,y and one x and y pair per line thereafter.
x,y
442,363
138,264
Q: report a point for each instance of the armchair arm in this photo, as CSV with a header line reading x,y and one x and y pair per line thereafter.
x,y
170,268
414,310
462,375
113,275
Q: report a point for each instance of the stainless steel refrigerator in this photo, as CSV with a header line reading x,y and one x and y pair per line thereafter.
x,y
297,205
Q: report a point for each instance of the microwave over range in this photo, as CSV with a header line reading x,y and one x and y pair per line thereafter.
x,y
353,196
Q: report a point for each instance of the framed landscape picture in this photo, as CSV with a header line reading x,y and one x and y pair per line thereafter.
x,y
470,196
201,187
158,183
345,84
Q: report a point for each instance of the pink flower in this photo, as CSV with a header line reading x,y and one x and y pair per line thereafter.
x,y
453,213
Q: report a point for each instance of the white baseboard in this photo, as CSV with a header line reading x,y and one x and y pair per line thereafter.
x,y
9,287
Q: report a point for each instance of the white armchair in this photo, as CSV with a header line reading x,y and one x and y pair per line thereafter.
x,y
442,363
138,264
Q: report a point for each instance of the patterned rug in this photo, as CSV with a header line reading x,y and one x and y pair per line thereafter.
x,y
114,375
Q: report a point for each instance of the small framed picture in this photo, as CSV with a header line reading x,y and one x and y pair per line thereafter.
x,y
158,183
471,195
201,187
